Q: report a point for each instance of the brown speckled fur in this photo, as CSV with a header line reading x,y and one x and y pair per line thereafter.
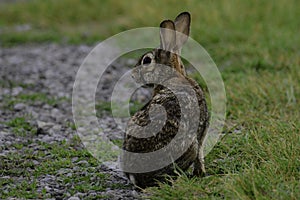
x,y
164,97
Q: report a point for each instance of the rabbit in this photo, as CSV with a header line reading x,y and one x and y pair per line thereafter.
x,y
151,64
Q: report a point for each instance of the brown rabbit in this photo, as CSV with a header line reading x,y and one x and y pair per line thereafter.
x,y
150,66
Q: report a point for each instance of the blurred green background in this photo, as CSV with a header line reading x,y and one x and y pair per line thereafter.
x,y
256,46
229,29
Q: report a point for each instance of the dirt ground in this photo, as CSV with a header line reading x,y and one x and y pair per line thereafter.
x,y
36,84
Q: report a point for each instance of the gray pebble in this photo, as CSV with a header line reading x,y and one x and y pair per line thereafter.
x,y
17,90
19,106
35,162
83,163
74,198
48,189
79,194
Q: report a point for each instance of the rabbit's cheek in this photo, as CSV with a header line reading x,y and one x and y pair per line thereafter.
x,y
147,69
142,74
135,74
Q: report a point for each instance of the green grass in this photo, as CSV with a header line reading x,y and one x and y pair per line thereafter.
x,y
118,142
213,23
262,163
39,97
103,108
31,98
21,127
256,46
71,125
11,84
55,159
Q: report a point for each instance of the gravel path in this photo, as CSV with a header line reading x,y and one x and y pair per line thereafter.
x,y
35,98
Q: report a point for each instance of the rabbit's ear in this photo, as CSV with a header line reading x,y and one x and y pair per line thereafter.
x,y
167,35
182,25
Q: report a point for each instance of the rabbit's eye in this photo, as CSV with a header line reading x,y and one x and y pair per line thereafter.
x,y
147,60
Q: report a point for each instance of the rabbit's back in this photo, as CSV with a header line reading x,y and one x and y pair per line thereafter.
x,y
160,139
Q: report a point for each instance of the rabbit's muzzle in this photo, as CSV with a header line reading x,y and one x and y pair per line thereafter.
x,y
154,74
143,75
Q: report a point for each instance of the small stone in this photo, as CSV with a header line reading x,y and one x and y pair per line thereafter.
x,y
55,128
5,177
92,194
83,162
19,106
63,171
74,159
43,127
47,179
4,134
111,165
46,106
17,90
33,113
58,192
74,198
35,162
79,194
135,194
67,194
47,138
237,131
47,188
56,113
5,91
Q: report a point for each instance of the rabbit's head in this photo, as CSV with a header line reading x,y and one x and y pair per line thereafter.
x,y
173,34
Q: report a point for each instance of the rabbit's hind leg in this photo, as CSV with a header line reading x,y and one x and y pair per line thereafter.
x,y
199,168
